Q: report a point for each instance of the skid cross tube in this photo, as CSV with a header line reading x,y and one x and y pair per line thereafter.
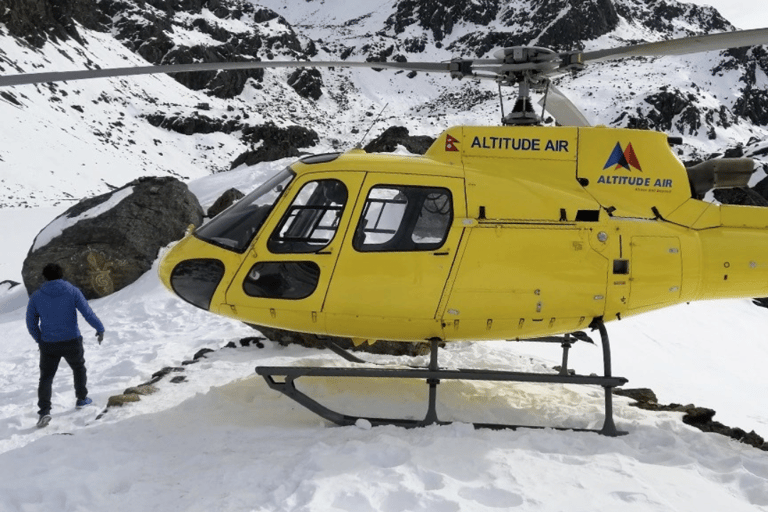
x,y
433,375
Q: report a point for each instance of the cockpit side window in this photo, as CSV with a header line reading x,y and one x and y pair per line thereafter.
x,y
310,223
235,227
404,218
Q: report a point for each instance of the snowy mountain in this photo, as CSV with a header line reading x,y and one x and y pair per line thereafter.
x,y
216,437
70,140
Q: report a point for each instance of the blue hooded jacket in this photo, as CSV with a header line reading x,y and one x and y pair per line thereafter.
x,y
54,307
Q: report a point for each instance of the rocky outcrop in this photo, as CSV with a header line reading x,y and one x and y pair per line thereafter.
x,y
699,417
273,143
150,33
741,196
662,16
307,83
559,24
38,21
269,141
107,242
194,123
439,17
752,103
673,110
396,136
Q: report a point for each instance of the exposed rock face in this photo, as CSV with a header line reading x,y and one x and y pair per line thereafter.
x,y
582,20
107,242
37,21
753,102
699,417
671,109
149,32
439,17
223,84
307,83
662,16
559,24
192,124
395,136
741,196
276,143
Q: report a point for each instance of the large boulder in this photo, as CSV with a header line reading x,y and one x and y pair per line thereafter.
x,y
224,201
107,242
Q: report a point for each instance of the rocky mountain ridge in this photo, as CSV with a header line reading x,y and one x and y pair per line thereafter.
x,y
219,120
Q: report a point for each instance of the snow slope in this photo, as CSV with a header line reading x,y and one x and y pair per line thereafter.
x,y
222,440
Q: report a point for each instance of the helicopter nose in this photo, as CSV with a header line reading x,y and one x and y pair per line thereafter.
x,y
196,280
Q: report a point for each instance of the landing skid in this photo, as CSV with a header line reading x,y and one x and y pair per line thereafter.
x,y
433,375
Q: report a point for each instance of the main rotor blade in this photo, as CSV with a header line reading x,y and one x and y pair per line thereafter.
x,y
60,76
566,113
683,46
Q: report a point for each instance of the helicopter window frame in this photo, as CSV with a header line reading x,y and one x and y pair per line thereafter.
x,y
235,228
398,218
312,221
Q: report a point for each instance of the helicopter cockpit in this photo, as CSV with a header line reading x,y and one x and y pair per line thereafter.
x,y
313,238
235,228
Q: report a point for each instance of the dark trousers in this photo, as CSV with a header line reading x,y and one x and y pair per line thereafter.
x,y
50,355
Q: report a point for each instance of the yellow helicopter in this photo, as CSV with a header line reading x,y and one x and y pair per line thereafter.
x,y
519,231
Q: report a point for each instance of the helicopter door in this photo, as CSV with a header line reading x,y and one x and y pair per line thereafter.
x,y
396,258
656,271
284,276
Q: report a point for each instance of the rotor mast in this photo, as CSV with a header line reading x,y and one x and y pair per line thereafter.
x,y
528,68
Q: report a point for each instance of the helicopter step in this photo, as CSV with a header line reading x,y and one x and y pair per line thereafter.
x,y
433,375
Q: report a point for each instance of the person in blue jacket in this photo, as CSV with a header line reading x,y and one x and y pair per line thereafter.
x,y
52,322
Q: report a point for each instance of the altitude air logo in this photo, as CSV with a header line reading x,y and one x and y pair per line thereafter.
x,y
623,158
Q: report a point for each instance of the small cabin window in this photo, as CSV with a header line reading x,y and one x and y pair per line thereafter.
x,y
404,218
588,216
310,223
282,279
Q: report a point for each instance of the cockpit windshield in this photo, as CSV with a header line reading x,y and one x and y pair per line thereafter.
x,y
235,227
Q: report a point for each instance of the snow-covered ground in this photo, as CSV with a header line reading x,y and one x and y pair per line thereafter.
x,y
222,440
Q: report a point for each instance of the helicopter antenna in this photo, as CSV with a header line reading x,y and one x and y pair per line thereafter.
x,y
360,144
544,99
501,102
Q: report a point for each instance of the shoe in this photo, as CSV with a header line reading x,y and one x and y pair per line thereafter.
x,y
44,420
82,403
